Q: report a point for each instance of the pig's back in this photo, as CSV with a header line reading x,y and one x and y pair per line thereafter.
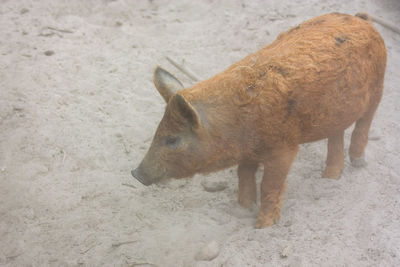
x,y
328,70
312,81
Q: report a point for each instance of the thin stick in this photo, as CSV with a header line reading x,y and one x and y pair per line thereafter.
x,y
148,139
125,148
386,24
84,252
129,185
59,30
64,155
144,141
142,263
184,70
14,256
115,245
50,34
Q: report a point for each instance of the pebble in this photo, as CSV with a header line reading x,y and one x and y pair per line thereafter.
x,y
288,223
40,168
24,10
214,186
209,252
374,137
49,53
286,252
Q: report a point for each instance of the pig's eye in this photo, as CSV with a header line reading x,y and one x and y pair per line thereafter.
x,y
172,141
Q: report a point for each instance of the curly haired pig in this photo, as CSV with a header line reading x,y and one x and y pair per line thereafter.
x,y
311,83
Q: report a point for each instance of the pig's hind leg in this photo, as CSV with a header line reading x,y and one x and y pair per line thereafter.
x,y
359,137
276,168
247,195
335,158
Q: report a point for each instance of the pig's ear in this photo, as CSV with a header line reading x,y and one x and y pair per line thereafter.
x,y
166,84
187,111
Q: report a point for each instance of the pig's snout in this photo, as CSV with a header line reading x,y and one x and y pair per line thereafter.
x,y
138,174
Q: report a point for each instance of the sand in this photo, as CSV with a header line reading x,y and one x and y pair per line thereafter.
x,y
77,113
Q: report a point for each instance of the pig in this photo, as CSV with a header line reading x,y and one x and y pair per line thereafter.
x,y
311,83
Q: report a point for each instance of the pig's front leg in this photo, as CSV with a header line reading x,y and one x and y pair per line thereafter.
x,y
276,168
247,195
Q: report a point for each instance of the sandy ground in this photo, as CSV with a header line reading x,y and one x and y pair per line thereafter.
x,y
78,109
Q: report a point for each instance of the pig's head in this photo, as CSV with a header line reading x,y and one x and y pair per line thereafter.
x,y
180,144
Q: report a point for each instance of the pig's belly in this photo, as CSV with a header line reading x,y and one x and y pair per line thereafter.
x,y
329,114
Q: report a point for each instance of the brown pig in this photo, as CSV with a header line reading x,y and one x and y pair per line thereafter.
x,y
311,83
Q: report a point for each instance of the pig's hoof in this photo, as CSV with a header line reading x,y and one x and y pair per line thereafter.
x,y
332,172
358,162
247,203
267,221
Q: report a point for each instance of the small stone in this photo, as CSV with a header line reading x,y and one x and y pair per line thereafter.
x,y
18,108
288,223
209,252
49,53
113,70
118,23
214,186
286,252
24,10
374,137
40,168
374,134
